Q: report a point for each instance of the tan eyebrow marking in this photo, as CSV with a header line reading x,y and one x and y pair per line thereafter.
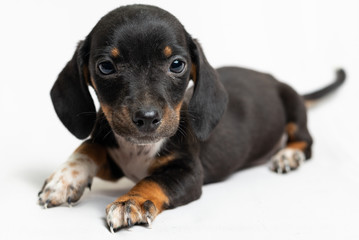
x,y
167,51
115,52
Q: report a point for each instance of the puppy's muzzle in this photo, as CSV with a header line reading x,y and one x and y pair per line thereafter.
x,y
147,120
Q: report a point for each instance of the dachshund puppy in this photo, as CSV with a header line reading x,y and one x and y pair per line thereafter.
x,y
153,129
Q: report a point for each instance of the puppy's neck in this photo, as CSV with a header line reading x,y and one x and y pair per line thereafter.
x,y
134,159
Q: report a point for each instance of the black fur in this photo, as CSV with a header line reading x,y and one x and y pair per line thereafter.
x,y
71,97
233,120
340,78
209,99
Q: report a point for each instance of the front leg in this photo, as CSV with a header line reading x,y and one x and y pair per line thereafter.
x,y
68,183
177,183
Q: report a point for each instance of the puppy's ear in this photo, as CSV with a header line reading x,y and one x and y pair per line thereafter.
x,y
71,97
209,99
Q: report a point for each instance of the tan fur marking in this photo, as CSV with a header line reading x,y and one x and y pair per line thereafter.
x,y
93,84
119,117
291,129
166,115
309,103
126,114
194,73
298,145
95,152
115,52
85,71
72,164
170,118
178,109
161,161
98,154
106,110
63,181
147,190
167,51
75,173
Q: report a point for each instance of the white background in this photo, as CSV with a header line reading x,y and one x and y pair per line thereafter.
x,y
299,42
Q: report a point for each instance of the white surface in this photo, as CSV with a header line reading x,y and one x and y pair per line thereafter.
x,y
299,42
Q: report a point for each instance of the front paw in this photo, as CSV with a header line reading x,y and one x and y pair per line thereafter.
x,y
66,185
127,212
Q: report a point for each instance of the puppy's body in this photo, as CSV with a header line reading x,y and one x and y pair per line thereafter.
x,y
139,59
257,118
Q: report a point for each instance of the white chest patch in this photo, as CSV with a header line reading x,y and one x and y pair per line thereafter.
x,y
134,160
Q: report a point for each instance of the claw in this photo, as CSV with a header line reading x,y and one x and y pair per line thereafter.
x,y
286,165
149,222
46,203
111,228
69,202
89,183
129,222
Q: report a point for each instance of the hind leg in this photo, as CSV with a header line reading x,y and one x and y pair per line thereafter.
x,y
299,143
296,151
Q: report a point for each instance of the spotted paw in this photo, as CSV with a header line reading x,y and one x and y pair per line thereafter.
x,y
287,160
67,185
126,213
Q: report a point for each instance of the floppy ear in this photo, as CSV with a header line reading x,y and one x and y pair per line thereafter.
x,y
209,99
71,97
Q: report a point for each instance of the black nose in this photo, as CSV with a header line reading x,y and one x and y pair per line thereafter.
x,y
147,120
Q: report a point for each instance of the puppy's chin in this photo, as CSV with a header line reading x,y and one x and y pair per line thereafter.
x,y
143,141
146,140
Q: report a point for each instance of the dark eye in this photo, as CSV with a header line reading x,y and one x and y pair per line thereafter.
x,y
106,68
177,66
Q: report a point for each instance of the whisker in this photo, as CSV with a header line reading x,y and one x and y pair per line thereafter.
x,y
107,134
182,131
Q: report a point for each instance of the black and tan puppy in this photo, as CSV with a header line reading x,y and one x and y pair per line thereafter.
x,y
152,129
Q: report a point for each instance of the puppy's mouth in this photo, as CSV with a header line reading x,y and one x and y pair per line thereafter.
x,y
143,140
135,137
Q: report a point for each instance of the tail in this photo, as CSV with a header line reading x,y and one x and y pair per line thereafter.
x,y
310,97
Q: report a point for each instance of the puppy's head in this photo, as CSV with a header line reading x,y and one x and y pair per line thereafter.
x,y
139,59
